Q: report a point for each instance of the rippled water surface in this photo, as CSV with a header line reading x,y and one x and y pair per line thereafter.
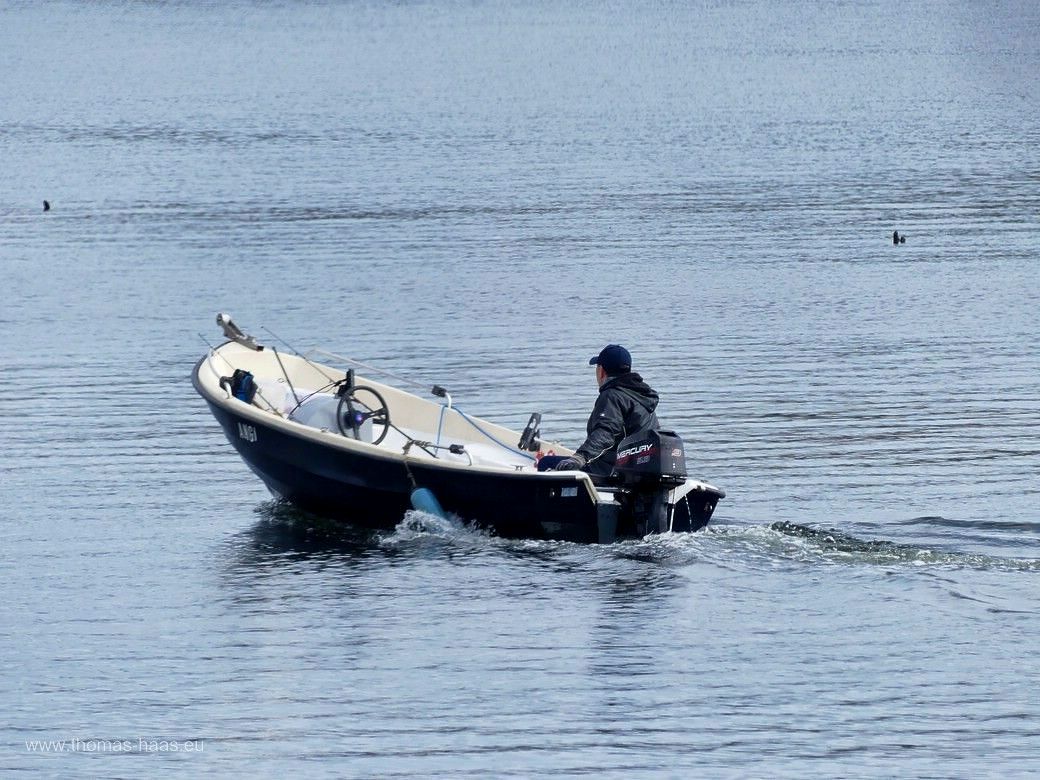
x,y
482,195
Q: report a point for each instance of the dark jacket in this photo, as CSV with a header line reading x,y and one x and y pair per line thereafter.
x,y
625,406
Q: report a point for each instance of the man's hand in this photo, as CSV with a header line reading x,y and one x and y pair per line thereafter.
x,y
573,463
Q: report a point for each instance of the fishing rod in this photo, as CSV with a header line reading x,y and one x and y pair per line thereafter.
x,y
299,401
299,354
332,382
377,370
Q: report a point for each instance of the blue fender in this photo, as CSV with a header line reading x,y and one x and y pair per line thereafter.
x,y
424,500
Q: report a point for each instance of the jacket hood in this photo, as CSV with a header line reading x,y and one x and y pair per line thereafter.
x,y
632,385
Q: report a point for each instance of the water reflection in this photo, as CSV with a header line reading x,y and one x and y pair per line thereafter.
x,y
632,602
287,535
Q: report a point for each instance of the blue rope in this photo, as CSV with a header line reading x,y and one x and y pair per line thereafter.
x,y
513,450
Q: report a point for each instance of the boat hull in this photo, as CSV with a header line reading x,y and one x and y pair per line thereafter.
x,y
375,492
335,479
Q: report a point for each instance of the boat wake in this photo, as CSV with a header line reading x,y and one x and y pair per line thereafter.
x,y
417,524
419,530
783,544
730,546
836,546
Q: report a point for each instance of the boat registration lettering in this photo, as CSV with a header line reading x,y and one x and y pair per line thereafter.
x,y
247,432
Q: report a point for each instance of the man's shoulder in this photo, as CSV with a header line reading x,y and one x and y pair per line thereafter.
x,y
628,389
615,395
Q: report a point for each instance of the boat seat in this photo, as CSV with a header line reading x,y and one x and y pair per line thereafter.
x,y
319,411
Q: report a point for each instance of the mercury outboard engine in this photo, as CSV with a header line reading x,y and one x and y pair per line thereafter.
x,y
649,465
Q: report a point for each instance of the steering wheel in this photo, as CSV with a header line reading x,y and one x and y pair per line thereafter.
x,y
351,413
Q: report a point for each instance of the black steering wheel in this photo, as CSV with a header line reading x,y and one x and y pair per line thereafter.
x,y
352,412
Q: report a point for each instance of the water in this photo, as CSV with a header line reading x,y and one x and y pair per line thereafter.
x,y
482,195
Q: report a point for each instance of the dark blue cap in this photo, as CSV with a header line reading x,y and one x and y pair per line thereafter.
x,y
614,358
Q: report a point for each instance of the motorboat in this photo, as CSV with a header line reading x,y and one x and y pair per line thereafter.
x,y
341,444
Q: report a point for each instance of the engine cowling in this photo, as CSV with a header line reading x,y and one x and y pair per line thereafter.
x,y
650,459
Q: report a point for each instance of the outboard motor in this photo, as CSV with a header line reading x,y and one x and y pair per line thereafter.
x,y
649,465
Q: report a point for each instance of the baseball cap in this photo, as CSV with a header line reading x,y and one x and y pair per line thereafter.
x,y
614,358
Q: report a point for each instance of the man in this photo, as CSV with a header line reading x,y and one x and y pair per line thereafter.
x,y
625,406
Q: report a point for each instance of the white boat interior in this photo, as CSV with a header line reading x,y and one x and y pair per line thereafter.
x,y
299,391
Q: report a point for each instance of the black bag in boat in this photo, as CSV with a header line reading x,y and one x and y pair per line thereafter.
x,y
241,384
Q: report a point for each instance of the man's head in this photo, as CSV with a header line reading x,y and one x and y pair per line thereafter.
x,y
613,360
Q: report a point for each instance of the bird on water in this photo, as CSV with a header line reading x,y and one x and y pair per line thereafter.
x,y
46,205
898,239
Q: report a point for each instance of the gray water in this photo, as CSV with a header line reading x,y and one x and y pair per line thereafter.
x,y
482,195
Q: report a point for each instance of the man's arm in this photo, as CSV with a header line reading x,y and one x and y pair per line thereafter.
x,y
606,424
